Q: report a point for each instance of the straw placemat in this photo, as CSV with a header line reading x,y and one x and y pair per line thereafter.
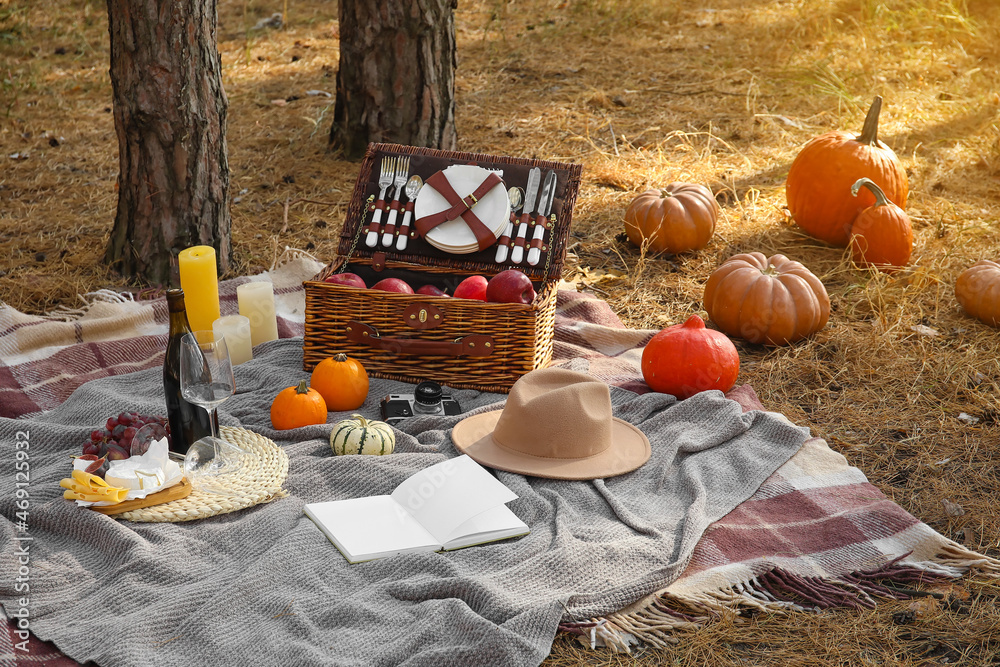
x,y
259,482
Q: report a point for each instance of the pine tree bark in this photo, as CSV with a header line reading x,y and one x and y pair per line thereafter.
x,y
170,118
396,80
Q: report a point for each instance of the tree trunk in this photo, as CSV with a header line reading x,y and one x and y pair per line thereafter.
x,y
170,117
396,80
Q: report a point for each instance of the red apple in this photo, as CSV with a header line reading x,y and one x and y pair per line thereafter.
x,y
510,286
393,285
351,279
473,287
430,290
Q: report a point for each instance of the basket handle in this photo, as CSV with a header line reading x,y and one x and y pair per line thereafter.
x,y
473,345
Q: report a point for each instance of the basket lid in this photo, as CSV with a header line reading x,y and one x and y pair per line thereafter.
x,y
426,162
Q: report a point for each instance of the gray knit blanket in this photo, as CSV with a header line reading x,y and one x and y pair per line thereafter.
x,y
263,586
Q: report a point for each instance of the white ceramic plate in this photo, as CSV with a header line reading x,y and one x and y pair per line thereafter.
x,y
454,236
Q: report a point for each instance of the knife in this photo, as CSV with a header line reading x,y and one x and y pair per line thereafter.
x,y
534,177
544,208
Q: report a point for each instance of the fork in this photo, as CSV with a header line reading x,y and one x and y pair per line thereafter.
x,y
402,173
384,181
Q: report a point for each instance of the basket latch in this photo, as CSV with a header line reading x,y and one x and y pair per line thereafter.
x,y
473,345
423,316
378,261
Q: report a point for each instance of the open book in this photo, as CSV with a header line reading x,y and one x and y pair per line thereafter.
x,y
450,505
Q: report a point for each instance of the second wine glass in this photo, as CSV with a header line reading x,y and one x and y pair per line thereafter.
x,y
207,380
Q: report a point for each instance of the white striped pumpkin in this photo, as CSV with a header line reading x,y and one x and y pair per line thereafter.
x,y
361,436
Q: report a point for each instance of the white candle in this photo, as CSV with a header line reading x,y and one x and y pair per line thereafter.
x,y
236,329
256,301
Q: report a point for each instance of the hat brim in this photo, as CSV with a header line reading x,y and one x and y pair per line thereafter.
x,y
629,449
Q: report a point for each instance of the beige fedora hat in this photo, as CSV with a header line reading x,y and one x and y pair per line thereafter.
x,y
556,423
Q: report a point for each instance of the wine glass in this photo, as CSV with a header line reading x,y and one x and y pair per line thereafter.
x,y
146,436
207,380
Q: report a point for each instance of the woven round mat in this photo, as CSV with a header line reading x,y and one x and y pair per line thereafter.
x,y
259,482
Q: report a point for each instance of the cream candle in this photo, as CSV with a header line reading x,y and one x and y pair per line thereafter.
x,y
256,301
200,282
236,329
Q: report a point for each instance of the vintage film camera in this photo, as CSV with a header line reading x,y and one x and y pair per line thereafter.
x,y
426,399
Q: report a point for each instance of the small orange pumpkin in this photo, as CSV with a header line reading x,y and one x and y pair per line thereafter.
x,y
297,406
823,171
881,235
771,300
678,218
342,381
685,359
978,290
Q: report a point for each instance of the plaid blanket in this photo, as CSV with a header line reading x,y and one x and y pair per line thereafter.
x,y
815,535
43,359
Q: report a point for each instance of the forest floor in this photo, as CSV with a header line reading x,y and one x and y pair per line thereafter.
x,y
641,93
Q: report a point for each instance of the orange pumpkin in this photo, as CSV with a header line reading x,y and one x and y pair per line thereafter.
x,y
342,381
297,406
685,359
881,236
822,173
978,290
678,218
771,300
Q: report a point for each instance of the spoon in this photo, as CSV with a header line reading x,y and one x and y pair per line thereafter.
x,y
516,197
412,188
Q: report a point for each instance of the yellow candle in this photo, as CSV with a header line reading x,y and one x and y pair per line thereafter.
x,y
256,301
200,282
236,329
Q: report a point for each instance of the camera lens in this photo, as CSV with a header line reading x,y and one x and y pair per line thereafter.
x,y
427,397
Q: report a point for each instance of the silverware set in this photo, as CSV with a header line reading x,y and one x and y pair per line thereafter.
x,y
529,211
394,173
515,244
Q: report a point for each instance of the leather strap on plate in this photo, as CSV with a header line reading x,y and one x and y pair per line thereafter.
x,y
460,207
474,345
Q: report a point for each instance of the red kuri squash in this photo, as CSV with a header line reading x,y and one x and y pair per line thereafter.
x,y
685,359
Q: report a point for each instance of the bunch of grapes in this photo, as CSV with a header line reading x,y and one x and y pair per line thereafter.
x,y
114,441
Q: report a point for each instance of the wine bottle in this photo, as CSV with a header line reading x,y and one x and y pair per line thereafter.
x,y
188,422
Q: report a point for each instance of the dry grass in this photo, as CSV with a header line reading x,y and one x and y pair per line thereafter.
x,y
640,92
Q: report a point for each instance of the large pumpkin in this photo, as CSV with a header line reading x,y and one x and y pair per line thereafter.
x,y
361,436
685,359
771,300
978,290
820,179
881,235
678,218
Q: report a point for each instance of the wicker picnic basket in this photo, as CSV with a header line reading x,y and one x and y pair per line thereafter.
x,y
462,343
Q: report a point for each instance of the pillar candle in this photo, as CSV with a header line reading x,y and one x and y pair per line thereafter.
x,y
236,329
200,282
256,301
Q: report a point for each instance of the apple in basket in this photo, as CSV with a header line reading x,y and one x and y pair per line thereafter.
x,y
510,286
393,285
351,279
473,287
430,290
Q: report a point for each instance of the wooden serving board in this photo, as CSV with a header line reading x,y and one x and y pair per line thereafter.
x,y
175,492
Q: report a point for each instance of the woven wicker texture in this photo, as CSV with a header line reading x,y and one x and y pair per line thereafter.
x,y
259,482
522,335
